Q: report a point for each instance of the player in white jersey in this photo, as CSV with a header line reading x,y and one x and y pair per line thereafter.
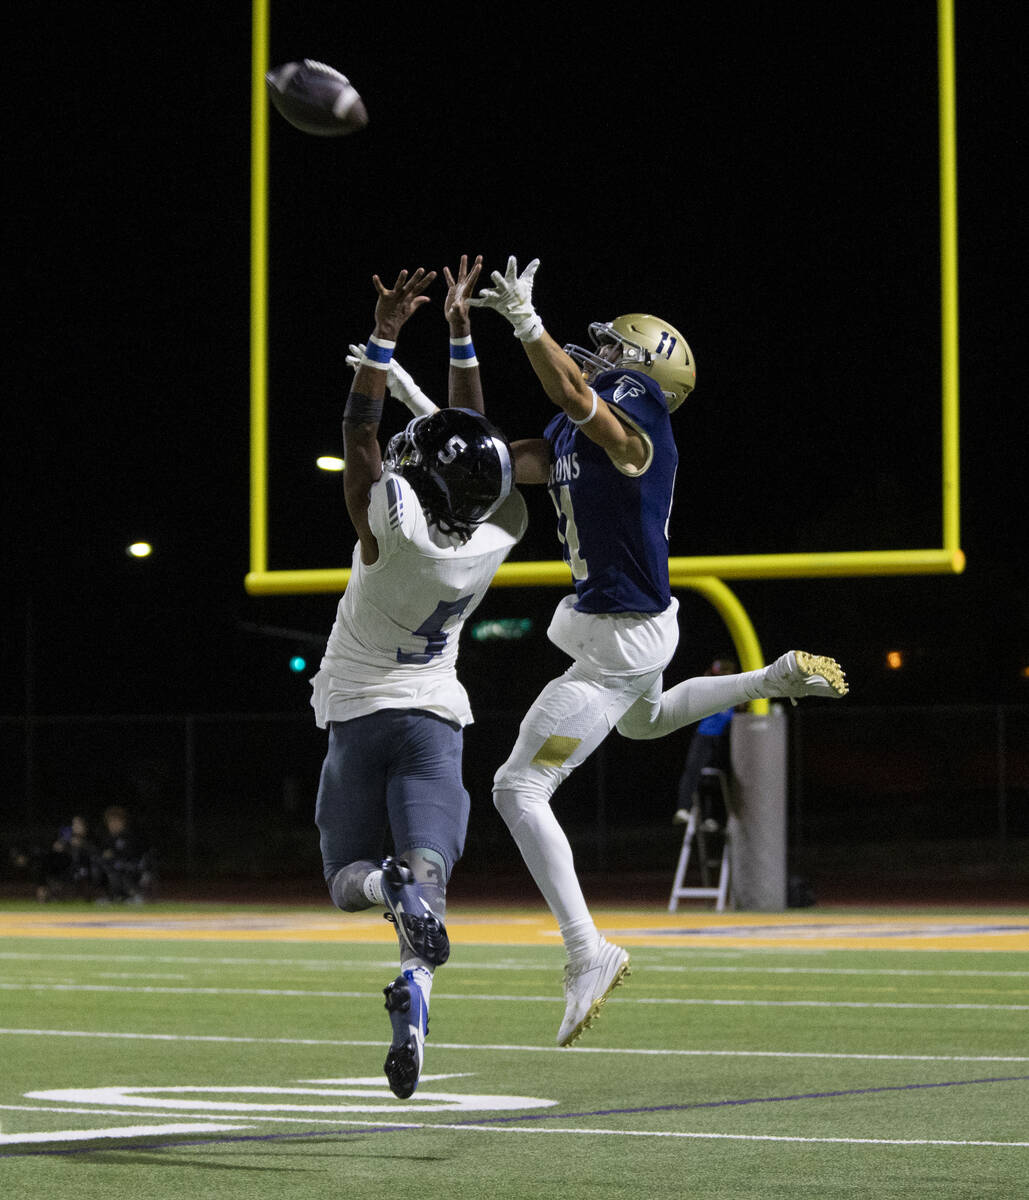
x,y
435,517
609,459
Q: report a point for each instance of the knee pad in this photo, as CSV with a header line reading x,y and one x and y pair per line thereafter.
x,y
519,776
515,803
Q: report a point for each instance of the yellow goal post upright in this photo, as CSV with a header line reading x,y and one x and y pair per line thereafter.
x,y
757,827
705,575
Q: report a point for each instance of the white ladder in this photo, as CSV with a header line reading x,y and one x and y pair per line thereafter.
x,y
720,893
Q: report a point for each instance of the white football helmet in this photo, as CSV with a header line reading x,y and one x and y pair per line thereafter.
x,y
646,344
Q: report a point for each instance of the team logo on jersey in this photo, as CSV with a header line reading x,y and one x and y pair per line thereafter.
x,y
627,388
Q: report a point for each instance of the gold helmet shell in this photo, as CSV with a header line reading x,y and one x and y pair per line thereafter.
x,y
646,344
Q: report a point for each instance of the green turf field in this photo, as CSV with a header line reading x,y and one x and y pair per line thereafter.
x,y
163,1054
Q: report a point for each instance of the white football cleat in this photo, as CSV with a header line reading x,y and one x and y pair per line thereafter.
x,y
587,987
798,674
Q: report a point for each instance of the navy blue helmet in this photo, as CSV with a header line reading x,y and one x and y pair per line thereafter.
x,y
459,465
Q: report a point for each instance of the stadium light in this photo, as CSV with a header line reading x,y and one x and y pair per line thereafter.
x,y
895,659
502,629
328,463
139,550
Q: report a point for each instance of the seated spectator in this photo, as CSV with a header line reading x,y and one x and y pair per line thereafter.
x,y
68,868
124,860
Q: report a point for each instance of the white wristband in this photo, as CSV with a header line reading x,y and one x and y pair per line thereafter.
x,y
593,412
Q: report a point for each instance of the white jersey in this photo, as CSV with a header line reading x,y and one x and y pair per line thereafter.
x,y
394,641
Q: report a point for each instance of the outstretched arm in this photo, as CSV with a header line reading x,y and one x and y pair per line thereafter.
x,y
364,404
561,378
465,383
532,458
399,383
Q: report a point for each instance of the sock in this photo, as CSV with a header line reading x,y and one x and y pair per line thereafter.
x,y
548,855
422,975
348,886
581,939
372,887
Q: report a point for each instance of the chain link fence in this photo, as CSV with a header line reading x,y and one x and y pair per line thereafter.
x,y
937,790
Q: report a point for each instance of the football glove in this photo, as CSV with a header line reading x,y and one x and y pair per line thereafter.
x,y
398,382
511,296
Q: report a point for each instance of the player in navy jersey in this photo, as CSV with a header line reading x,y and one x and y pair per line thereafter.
x,y
617,549
609,461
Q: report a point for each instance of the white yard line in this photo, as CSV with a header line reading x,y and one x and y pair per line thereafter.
x,y
333,963
251,1119
466,1046
123,1131
731,1137
890,973
493,997
130,1131
684,968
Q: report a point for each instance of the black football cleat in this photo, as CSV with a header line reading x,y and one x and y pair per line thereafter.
x,y
410,1020
420,932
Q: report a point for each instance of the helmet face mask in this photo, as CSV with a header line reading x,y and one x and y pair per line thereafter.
x,y
459,465
642,343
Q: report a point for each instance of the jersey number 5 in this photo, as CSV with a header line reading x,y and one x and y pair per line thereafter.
x,y
432,630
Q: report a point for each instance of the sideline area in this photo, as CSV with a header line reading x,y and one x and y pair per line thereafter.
x,y
868,929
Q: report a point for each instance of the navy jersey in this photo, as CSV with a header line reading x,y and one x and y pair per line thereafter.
x,y
613,526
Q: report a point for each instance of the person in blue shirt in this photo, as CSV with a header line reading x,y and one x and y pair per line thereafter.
x,y
709,747
609,460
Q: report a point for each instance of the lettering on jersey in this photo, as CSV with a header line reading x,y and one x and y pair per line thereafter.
x,y
627,388
564,468
395,502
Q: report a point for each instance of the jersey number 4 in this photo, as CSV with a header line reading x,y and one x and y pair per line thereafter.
x,y
432,630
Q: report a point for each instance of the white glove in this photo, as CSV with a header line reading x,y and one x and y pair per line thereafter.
x,y
400,384
511,296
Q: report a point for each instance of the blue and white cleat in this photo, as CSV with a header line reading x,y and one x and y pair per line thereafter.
x,y
797,674
420,932
409,1016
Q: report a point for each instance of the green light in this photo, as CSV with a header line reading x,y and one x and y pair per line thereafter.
x,y
297,663
502,629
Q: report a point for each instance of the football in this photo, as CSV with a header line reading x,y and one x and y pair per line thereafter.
x,y
316,98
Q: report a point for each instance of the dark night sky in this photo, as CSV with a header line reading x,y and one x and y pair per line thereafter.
x,y
763,176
